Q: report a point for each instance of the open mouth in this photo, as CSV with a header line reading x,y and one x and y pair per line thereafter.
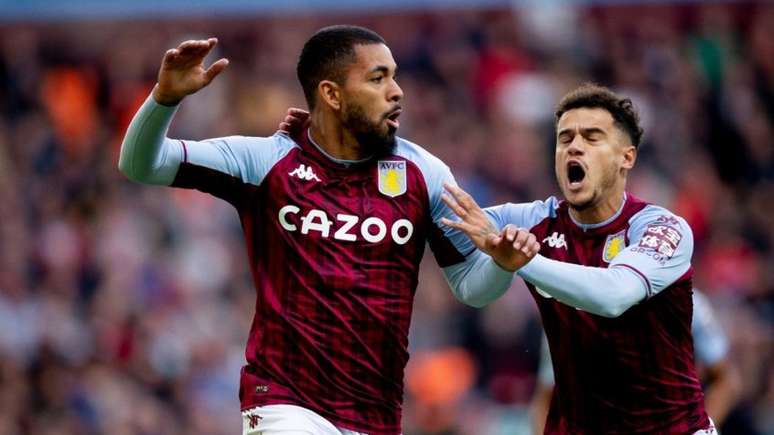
x,y
392,118
575,174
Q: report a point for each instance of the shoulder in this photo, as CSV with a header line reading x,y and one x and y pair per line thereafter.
x,y
655,215
426,162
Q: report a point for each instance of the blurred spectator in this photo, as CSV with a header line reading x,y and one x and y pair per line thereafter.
x,y
108,325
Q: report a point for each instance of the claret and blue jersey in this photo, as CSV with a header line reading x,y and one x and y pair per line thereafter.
x,y
633,373
334,248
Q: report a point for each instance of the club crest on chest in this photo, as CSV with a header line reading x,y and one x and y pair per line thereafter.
x,y
392,177
614,245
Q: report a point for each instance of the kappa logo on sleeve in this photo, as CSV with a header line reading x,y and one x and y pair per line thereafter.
x,y
662,237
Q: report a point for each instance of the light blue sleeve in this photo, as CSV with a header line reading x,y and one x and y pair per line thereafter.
x,y
448,245
545,374
659,252
523,215
709,340
474,278
659,249
148,156
585,287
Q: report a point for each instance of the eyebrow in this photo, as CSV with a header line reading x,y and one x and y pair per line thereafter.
x,y
584,131
382,69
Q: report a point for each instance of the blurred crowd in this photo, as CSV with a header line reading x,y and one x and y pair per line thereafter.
x,y
124,309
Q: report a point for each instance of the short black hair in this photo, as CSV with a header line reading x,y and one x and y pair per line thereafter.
x,y
591,95
327,52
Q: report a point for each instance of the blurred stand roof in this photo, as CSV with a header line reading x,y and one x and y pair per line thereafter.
x,y
54,10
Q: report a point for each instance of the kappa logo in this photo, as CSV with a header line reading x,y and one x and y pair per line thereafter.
x,y
304,172
556,240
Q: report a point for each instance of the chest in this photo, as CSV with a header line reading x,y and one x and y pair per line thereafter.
x,y
382,202
565,241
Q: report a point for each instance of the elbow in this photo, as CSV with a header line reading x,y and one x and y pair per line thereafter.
x,y
471,301
613,311
124,168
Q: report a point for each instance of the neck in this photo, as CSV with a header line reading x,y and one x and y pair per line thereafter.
x,y
601,211
330,135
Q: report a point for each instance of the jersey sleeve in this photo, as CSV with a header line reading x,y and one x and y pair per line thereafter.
x,y
709,340
659,250
217,166
523,215
223,166
449,246
545,373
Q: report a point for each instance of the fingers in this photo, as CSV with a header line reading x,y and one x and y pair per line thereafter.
x,y
526,243
454,206
462,197
509,232
298,113
196,46
492,241
215,69
462,226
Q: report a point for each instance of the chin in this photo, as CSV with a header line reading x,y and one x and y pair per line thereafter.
x,y
578,201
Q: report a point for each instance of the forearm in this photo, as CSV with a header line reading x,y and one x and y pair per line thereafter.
x,y
147,156
605,292
478,281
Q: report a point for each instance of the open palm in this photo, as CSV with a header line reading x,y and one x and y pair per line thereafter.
x,y
183,73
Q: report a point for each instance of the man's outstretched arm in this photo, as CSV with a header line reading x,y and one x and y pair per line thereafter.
x,y
146,155
659,253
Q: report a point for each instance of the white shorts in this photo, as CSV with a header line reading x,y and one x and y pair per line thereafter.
x,y
288,420
708,431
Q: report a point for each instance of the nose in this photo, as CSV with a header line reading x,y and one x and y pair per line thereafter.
x,y
576,147
395,93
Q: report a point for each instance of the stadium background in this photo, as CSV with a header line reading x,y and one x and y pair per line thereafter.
x,y
124,309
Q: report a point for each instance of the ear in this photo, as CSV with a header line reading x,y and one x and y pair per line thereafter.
x,y
629,157
330,94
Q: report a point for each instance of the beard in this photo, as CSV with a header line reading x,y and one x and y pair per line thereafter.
x,y
606,184
369,135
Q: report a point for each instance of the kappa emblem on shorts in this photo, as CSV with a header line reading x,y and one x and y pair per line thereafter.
x,y
392,177
614,245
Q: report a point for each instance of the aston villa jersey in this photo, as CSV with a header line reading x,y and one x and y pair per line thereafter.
x,y
334,249
633,374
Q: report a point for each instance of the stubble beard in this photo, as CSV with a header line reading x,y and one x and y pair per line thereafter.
x,y
368,134
607,184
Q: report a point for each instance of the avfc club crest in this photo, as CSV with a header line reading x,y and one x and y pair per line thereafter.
x,y
614,245
392,177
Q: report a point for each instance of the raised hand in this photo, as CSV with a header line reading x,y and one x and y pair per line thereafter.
x,y
295,121
510,248
183,73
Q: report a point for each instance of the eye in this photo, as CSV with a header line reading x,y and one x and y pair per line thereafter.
x,y
377,80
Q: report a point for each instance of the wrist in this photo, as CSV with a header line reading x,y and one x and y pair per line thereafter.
x,y
165,100
505,267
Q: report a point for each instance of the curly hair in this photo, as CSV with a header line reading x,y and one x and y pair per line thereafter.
x,y
590,95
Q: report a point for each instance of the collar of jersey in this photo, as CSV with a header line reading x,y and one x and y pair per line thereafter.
x,y
608,221
339,162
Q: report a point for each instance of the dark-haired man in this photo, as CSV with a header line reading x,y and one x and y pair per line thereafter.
x,y
612,281
335,221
